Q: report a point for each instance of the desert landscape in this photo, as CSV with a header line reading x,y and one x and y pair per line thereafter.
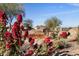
x,y
39,29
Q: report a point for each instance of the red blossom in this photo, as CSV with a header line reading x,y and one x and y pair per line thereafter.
x,y
8,45
3,18
63,35
25,34
19,18
1,13
15,30
21,26
16,26
19,42
47,40
31,40
29,53
50,49
7,35
14,35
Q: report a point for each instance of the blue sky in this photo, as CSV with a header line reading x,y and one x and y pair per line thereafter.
x,y
40,12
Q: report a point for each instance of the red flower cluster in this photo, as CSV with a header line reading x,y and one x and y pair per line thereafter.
x,y
19,43
15,30
50,50
7,35
29,52
25,34
19,18
21,26
31,40
47,40
15,36
8,45
3,15
16,27
64,35
3,18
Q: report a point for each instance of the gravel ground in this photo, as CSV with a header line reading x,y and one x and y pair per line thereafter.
x,y
72,50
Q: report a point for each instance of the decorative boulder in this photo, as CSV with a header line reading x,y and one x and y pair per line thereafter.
x,y
73,35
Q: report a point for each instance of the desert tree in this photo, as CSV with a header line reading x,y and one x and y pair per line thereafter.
x,y
11,10
28,23
52,23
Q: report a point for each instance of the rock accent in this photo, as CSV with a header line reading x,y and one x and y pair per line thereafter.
x,y
73,34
